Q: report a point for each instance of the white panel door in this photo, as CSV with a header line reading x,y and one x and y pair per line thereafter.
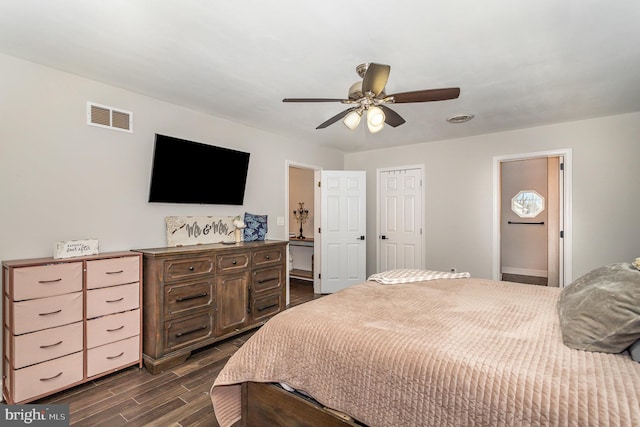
x,y
400,218
341,235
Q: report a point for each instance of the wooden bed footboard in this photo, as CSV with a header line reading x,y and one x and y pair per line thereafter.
x,y
268,404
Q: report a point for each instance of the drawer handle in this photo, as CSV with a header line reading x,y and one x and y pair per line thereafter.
x,y
187,298
267,307
51,312
51,345
49,281
116,329
115,272
234,262
51,378
267,257
115,300
115,357
181,334
191,268
267,280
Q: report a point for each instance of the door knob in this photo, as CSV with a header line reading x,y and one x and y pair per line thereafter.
x,y
383,237
360,238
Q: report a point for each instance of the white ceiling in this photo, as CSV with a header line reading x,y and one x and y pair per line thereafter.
x,y
518,64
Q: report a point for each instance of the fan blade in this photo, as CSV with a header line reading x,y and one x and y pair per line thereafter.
x,y
392,118
337,117
375,79
426,95
312,100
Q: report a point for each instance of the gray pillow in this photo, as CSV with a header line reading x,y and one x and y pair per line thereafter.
x,y
634,351
600,311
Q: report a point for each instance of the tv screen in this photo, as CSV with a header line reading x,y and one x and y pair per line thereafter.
x,y
191,172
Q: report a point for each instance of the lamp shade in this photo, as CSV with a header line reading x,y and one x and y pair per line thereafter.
x,y
375,116
352,120
375,129
375,119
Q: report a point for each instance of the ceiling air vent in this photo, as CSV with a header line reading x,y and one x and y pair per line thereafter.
x,y
109,117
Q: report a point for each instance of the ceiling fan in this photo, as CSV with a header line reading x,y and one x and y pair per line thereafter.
x,y
368,95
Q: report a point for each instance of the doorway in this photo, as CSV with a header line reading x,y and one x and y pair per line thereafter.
x,y
301,254
338,255
532,218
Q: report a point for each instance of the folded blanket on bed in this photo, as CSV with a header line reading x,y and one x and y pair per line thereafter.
x,y
406,275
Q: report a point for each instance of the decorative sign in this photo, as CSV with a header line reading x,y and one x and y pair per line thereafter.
x,y
194,230
74,248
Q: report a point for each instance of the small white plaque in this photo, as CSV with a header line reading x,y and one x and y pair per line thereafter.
x,y
194,230
74,248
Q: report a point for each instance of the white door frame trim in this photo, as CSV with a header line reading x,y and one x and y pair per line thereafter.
x,y
567,215
422,224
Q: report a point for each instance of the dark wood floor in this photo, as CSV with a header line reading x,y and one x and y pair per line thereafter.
x,y
527,280
177,397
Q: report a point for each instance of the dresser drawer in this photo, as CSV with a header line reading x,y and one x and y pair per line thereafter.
x,y
113,271
37,314
36,347
182,332
267,279
113,356
185,297
178,269
266,306
227,263
113,299
45,377
114,327
46,280
267,256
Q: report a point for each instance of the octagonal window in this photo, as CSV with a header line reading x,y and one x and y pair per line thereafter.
x,y
527,204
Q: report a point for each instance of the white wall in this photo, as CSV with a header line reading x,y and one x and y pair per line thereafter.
x,y
458,188
61,179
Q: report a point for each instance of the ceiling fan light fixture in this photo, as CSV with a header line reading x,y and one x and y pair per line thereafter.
x,y
369,94
352,120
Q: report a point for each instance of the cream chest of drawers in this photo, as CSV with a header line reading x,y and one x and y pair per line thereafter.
x,y
68,321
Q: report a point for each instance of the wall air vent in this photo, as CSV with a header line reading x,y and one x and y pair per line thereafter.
x,y
109,117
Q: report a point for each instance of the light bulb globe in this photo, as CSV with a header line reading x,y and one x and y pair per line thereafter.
x,y
352,120
375,116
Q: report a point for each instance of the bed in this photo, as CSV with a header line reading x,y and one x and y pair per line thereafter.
x,y
443,351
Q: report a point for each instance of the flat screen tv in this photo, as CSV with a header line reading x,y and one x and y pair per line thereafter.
x,y
191,172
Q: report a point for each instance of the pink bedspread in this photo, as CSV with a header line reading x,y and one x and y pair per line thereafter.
x,y
450,352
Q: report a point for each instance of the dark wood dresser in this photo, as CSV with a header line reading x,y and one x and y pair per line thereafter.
x,y
196,295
